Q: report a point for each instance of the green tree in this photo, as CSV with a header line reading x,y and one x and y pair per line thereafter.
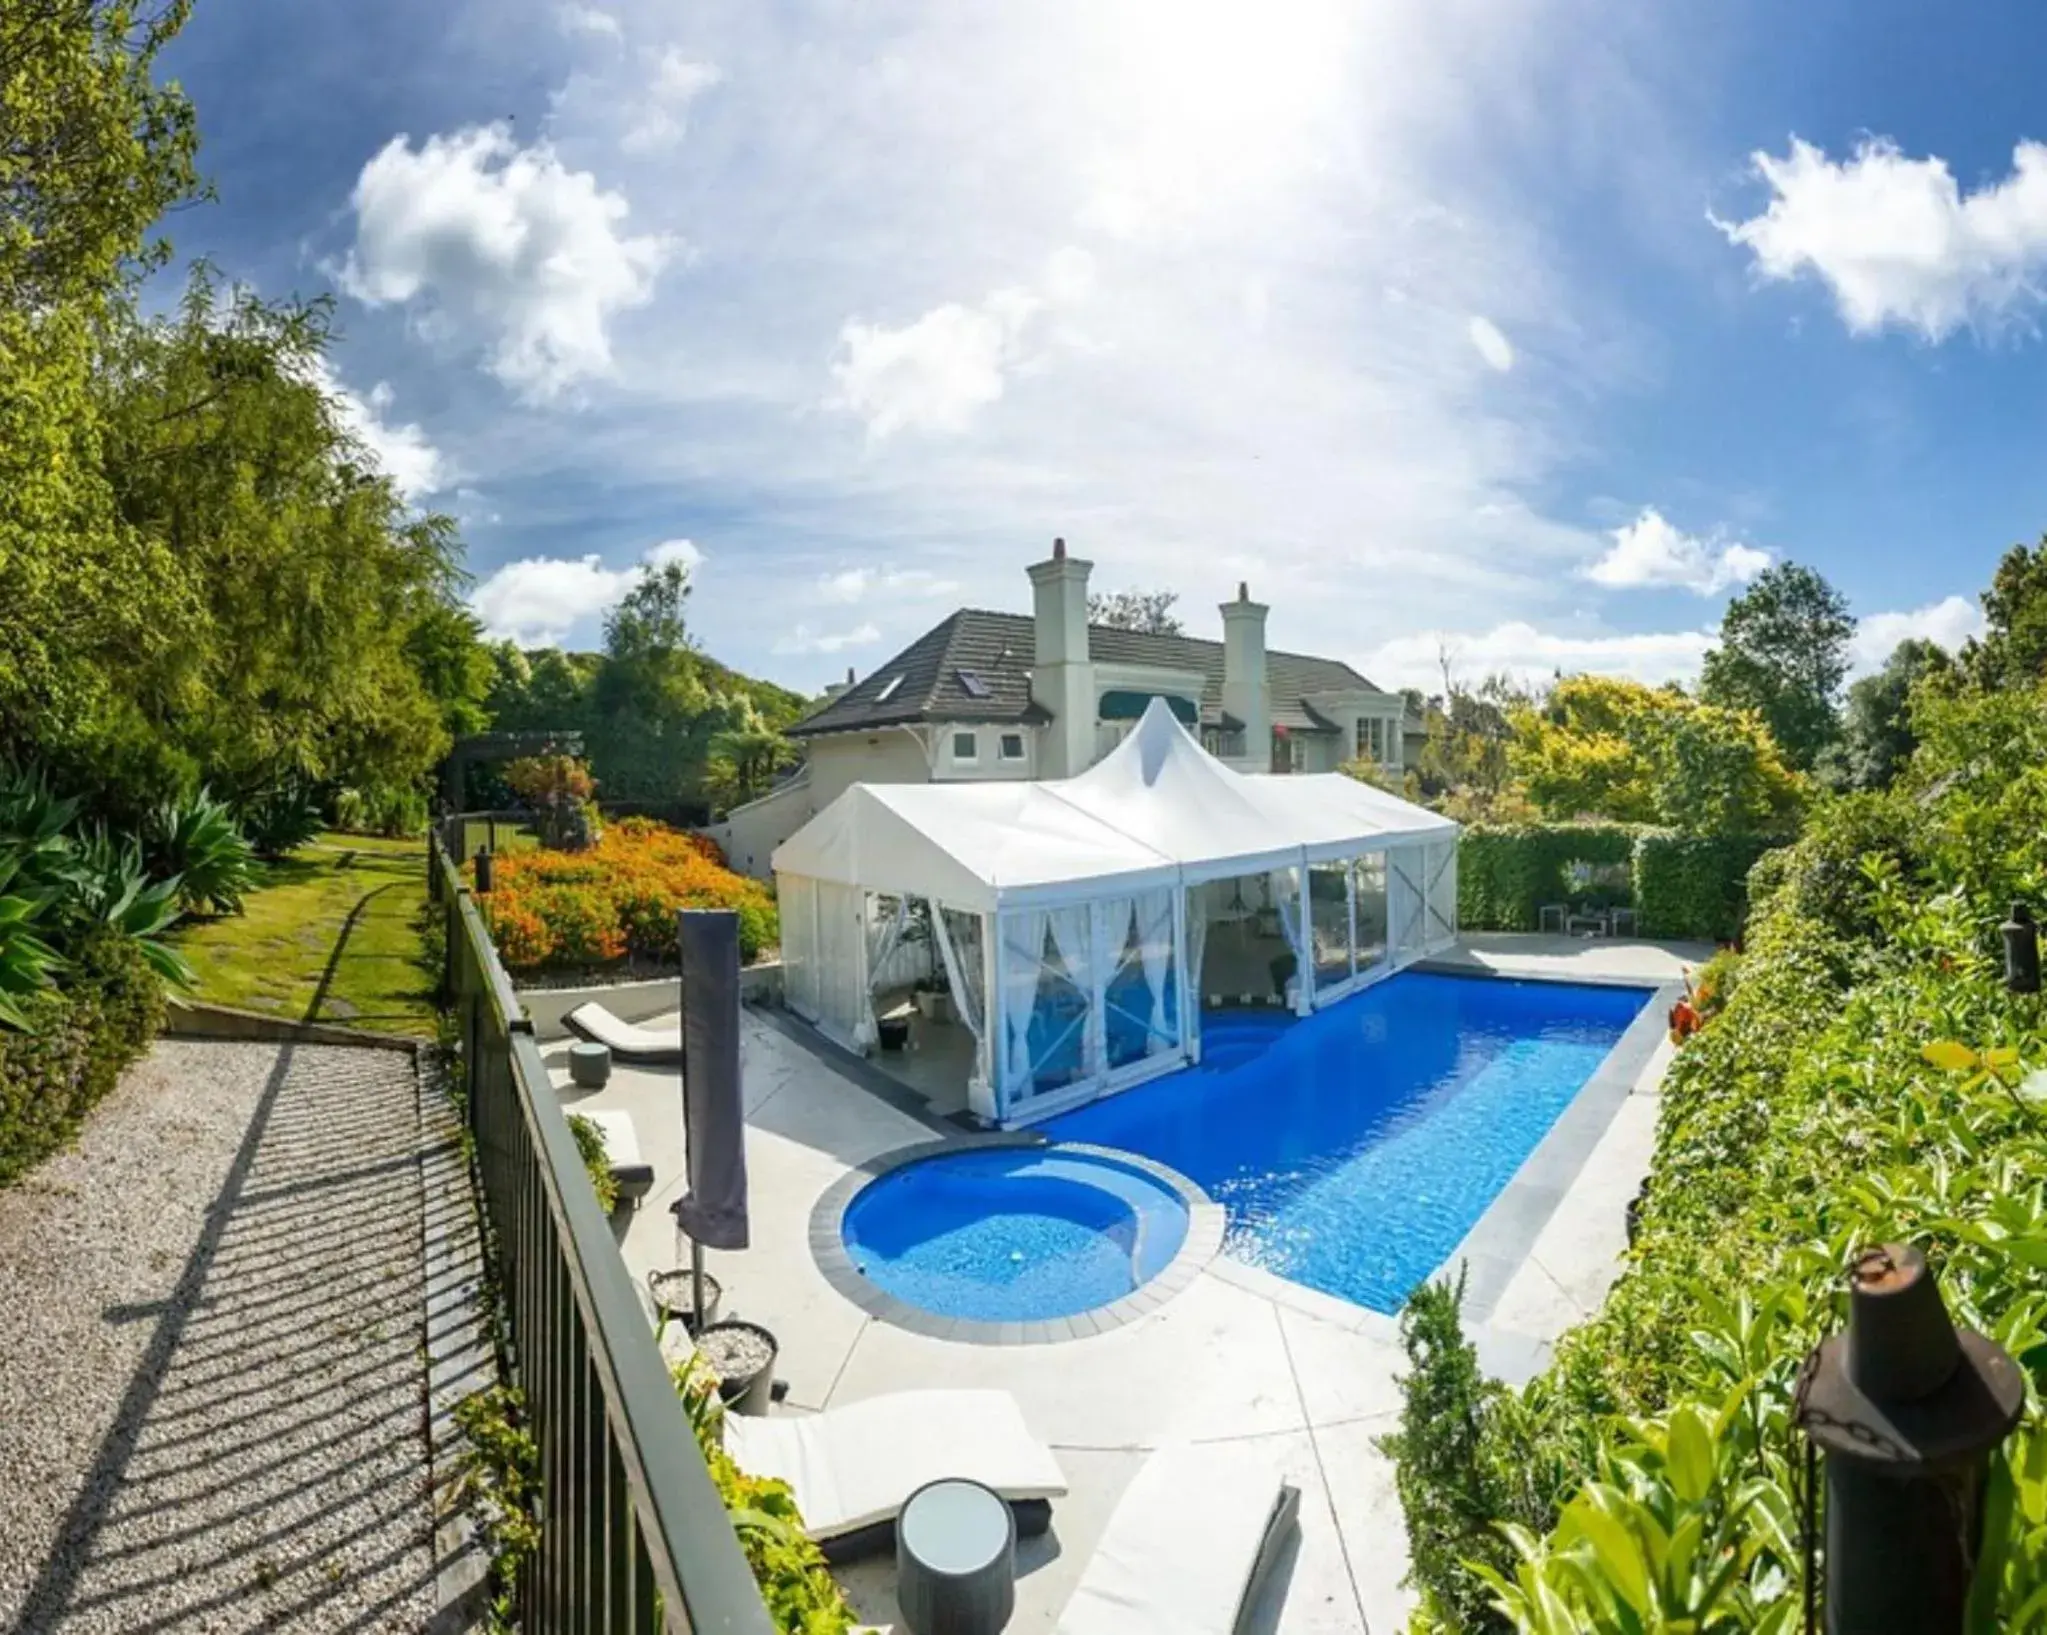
x,y
649,731
745,757
1783,653
1149,611
1877,737
92,151
2013,648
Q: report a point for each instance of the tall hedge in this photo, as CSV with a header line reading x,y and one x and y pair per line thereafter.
x,y
1683,886
1506,874
81,1036
1694,886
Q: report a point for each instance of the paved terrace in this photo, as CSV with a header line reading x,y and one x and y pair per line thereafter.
x,y
212,1392
1292,1382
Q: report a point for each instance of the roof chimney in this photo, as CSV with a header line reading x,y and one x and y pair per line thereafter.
x,y
1243,590
1062,679
1247,689
1058,550
849,675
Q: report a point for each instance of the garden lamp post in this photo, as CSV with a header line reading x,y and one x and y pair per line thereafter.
x,y
1906,1411
483,867
2021,951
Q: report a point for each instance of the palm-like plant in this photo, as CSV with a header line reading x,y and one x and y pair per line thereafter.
x,y
26,960
199,843
111,890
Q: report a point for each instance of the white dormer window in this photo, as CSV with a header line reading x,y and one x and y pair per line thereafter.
x,y
966,748
888,688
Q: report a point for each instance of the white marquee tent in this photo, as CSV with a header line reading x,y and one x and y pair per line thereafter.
x,y
1071,916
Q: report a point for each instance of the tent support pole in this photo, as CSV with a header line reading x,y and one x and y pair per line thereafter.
x,y
1190,1008
1304,992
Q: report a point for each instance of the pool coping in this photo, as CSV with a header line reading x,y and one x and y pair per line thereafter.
x,y
1203,1244
1499,1243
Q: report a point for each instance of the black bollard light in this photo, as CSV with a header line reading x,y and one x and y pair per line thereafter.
x,y
483,870
1906,1412
2021,951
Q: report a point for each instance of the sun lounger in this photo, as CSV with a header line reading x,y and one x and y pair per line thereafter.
x,y
1189,1550
627,1041
634,1175
853,1468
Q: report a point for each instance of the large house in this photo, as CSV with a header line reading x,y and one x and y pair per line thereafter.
x,y
1000,695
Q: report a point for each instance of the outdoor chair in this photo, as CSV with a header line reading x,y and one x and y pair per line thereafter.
x,y
632,1174
628,1042
852,1469
1189,1550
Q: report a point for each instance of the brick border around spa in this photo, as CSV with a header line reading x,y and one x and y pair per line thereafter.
x,y
828,1248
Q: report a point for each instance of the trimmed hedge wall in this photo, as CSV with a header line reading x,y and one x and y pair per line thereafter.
x,y
82,1035
1505,875
1684,886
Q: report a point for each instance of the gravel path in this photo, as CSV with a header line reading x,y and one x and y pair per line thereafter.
x,y
211,1387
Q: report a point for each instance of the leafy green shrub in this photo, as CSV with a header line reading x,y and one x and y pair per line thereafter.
x,y
1694,886
282,819
596,1158
109,892
497,1475
1506,875
395,811
71,1049
200,843
787,1564
1869,1080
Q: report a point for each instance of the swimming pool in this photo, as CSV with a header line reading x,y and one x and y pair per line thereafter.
x,y
1353,1149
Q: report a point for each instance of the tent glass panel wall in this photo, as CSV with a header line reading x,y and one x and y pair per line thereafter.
x,y
1329,922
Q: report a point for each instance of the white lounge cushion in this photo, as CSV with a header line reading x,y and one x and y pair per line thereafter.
x,y
854,1466
593,1021
1180,1550
621,1143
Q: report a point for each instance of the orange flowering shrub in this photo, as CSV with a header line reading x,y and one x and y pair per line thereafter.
x,y
620,897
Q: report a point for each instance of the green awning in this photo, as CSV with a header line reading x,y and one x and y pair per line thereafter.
x,y
1125,705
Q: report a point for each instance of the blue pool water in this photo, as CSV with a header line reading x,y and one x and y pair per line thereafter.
x,y
1014,1235
1353,1149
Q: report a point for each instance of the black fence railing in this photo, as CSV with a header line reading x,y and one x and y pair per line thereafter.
x,y
633,1536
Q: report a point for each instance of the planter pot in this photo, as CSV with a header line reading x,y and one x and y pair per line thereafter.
x,y
934,1006
672,1295
743,1357
894,1035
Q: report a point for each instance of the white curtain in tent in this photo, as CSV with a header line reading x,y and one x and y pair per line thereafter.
x,y
1198,900
1019,971
966,967
1285,887
797,902
1140,1014
1055,1062
886,919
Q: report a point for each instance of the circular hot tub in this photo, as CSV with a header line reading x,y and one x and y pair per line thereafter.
x,y
1006,1235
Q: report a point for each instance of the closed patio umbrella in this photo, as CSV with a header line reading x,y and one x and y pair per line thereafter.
x,y
713,1211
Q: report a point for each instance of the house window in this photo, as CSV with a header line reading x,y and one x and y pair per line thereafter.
x,y
1289,754
1372,739
1223,743
1012,746
966,747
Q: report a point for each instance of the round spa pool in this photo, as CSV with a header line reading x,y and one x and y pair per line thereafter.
x,y
1014,1234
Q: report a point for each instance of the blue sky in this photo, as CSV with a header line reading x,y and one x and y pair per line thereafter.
x,y
1526,331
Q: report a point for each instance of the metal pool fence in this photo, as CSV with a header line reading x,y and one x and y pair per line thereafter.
x,y
633,1536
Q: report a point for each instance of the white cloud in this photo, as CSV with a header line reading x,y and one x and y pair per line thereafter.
x,y
480,234
538,601
1492,346
1951,621
1533,656
1896,241
581,19
400,449
685,551
851,585
803,639
663,116
937,373
1653,552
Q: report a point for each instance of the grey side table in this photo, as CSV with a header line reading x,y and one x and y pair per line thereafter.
x,y
955,1560
589,1065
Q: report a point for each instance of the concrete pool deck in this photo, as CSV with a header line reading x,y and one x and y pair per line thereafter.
x,y
1288,1382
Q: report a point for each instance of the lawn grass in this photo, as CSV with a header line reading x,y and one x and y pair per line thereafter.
x,y
331,935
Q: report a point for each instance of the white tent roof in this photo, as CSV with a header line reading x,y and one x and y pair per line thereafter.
x,y
1158,808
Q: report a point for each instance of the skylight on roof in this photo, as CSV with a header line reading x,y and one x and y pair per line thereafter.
x,y
888,688
972,685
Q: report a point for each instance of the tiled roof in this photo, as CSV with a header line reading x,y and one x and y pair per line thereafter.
x,y
996,650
